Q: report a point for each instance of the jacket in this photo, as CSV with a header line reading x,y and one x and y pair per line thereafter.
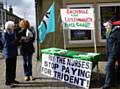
x,y
9,46
27,47
113,44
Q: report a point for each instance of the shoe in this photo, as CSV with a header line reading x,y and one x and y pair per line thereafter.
x,y
106,87
30,77
118,82
7,83
26,78
15,82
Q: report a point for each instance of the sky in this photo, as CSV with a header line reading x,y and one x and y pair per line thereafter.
x,y
23,8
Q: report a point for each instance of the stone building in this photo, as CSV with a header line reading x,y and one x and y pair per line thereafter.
x,y
6,15
79,40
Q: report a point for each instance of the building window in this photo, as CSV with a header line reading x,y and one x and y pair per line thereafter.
x,y
80,35
107,12
0,17
0,14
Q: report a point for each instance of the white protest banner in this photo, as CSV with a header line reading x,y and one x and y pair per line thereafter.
x,y
78,18
72,71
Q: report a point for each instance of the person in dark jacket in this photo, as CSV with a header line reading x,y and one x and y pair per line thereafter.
x,y
113,53
26,38
117,23
10,52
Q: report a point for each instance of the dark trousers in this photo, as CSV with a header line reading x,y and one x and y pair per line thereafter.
x,y
27,64
10,69
118,73
110,73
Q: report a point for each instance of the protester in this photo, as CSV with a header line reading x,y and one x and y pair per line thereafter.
x,y
26,38
118,71
10,52
113,53
117,23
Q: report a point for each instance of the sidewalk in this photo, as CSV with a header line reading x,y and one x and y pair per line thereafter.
x,y
43,82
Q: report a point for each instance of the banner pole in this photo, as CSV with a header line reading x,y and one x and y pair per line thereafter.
x,y
94,38
95,47
94,35
64,38
38,47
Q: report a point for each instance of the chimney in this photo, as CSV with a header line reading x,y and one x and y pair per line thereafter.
x,y
10,9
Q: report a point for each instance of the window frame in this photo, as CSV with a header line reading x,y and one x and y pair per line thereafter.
x,y
1,19
99,18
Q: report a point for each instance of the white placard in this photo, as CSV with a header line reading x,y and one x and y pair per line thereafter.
x,y
72,71
77,18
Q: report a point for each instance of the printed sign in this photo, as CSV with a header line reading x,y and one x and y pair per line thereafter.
x,y
78,18
72,71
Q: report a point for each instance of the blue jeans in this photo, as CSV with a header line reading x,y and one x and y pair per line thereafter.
x,y
110,73
27,64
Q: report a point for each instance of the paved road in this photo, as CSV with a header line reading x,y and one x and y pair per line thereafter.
x,y
43,82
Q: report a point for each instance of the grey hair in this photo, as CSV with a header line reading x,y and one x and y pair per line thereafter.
x,y
9,25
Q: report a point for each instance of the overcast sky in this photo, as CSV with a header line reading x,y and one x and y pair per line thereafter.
x,y
23,8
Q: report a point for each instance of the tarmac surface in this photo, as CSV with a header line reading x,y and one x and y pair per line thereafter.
x,y
44,82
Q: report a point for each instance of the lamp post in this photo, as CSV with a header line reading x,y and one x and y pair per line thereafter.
x,y
1,14
38,47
